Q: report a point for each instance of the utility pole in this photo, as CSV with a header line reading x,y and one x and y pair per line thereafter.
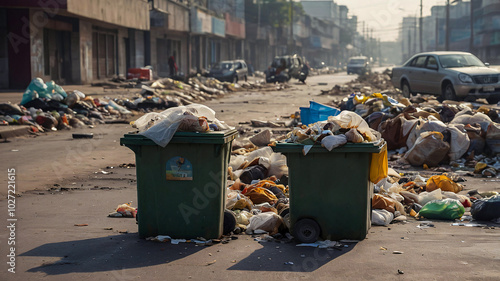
x,y
437,34
420,27
471,39
290,51
415,37
447,34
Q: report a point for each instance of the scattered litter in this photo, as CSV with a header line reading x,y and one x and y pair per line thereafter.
x,y
322,244
425,224
469,224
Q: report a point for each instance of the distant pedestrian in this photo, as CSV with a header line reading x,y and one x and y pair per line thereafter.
x,y
172,65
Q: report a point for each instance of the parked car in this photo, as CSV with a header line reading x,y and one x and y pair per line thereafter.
x,y
229,71
453,75
283,68
359,65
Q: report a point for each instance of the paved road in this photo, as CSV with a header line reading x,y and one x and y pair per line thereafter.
x,y
50,247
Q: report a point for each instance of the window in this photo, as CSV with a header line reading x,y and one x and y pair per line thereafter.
x,y
432,63
420,61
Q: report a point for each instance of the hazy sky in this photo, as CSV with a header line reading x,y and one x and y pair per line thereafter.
x,y
384,16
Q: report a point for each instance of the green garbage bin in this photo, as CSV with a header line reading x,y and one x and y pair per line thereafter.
x,y
181,187
330,191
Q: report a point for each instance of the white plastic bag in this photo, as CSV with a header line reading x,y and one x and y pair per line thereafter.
x,y
147,121
425,197
381,217
331,142
243,217
348,119
459,143
164,129
236,161
267,221
278,166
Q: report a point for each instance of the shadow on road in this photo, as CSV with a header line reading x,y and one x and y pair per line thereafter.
x,y
289,258
111,253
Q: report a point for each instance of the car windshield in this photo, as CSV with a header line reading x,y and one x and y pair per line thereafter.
x,y
459,60
357,61
277,62
223,66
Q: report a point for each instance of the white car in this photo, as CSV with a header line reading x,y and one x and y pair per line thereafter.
x,y
453,75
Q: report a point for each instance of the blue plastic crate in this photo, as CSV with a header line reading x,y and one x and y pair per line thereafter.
x,y
316,112
305,115
322,107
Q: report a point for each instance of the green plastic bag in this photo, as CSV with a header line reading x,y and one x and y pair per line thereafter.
x,y
447,209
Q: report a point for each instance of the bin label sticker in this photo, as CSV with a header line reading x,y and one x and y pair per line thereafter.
x,y
179,169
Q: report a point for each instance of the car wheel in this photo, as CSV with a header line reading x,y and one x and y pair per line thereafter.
x,y
493,100
405,88
449,92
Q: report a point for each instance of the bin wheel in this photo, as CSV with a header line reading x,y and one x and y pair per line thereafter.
x,y
306,231
229,222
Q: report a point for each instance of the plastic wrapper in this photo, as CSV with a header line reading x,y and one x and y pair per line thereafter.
x,y
381,217
169,121
459,143
465,117
430,149
268,222
493,137
446,209
425,197
278,165
331,142
243,217
349,119
354,136
443,183
260,195
382,202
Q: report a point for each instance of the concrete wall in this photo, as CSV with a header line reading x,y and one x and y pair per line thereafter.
x,y
36,51
122,51
85,61
179,18
127,13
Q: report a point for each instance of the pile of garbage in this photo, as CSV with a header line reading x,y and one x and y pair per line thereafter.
x,y
424,132
257,192
373,82
46,106
436,197
336,131
166,92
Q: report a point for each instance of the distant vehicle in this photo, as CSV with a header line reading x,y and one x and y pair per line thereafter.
x,y
283,68
453,75
229,71
358,65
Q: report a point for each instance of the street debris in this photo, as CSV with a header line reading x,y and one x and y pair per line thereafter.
x,y
124,210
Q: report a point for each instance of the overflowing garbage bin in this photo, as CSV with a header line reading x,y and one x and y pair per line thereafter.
x,y
181,187
330,191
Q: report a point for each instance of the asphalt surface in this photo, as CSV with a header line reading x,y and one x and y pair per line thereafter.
x,y
66,188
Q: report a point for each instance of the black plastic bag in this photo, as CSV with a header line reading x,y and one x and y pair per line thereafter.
x,y
486,209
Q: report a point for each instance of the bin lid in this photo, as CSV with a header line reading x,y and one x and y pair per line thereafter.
x,y
317,148
211,137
